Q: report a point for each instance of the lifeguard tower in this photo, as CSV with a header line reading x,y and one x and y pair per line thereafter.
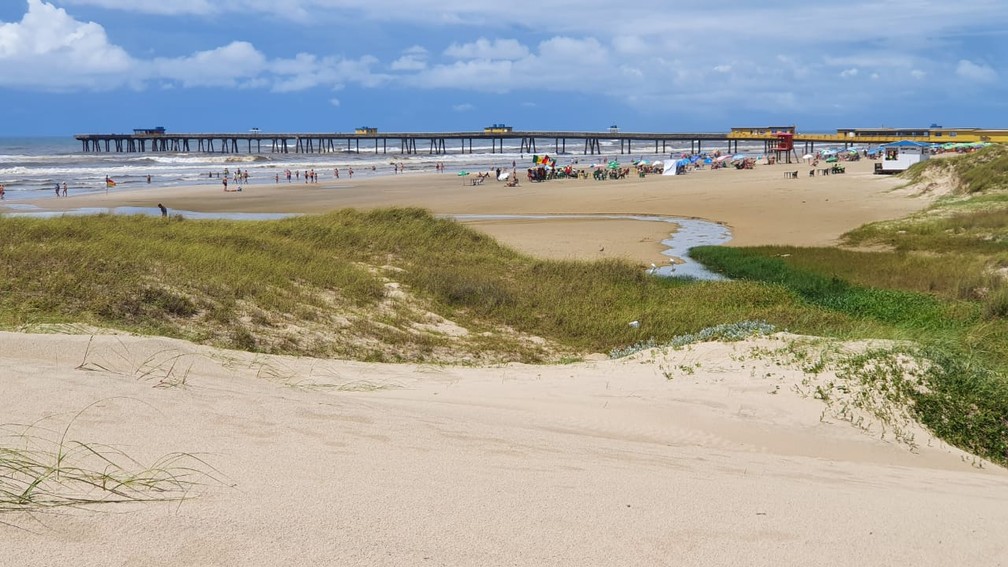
x,y
785,147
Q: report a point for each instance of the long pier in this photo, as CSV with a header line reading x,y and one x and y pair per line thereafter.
x,y
434,143
531,141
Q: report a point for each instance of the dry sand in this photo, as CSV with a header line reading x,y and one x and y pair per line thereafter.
x,y
319,462
596,463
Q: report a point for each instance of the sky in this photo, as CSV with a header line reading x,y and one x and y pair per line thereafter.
x,y
100,66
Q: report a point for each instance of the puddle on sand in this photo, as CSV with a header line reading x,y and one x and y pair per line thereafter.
x,y
23,210
690,233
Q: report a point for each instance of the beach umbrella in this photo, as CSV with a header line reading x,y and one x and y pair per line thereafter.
x,y
723,158
614,164
657,162
463,173
739,156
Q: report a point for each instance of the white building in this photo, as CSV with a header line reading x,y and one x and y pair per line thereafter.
x,y
899,156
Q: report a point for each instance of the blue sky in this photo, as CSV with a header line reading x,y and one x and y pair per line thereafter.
x,y
72,66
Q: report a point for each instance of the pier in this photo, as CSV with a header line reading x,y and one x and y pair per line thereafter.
x,y
434,143
530,142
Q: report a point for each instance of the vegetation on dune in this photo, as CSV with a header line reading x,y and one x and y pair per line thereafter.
x,y
401,285
937,278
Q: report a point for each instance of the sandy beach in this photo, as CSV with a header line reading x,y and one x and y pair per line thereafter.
x,y
760,206
708,455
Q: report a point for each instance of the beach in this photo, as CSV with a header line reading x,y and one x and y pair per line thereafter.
x,y
760,206
712,454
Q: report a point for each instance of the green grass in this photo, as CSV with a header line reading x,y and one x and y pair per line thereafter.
x,y
935,278
44,469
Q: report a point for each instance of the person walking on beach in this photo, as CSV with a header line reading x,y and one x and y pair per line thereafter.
x,y
350,172
57,190
3,190
64,189
225,183
164,210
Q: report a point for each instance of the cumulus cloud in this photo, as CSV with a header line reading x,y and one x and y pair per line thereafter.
x,y
973,72
848,73
464,107
230,65
49,49
412,59
486,49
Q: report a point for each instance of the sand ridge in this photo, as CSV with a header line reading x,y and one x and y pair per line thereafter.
x,y
602,462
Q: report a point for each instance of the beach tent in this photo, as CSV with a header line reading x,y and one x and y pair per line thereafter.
x,y
677,168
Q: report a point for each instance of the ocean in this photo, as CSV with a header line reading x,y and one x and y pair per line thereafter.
x,y
31,167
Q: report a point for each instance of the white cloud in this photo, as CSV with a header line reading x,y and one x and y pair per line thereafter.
x,y
848,73
162,7
412,59
464,107
334,101
231,65
486,49
974,72
49,49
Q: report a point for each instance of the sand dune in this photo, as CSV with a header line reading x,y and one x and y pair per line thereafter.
x,y
597,463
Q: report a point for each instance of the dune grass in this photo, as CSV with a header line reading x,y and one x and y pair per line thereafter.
x,y
43,469
937,278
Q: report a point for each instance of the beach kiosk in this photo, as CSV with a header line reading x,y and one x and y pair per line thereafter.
x,y
366,131
899,156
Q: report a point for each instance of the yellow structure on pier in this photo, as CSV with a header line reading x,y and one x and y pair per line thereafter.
x,y
366,130
932,135
497,129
